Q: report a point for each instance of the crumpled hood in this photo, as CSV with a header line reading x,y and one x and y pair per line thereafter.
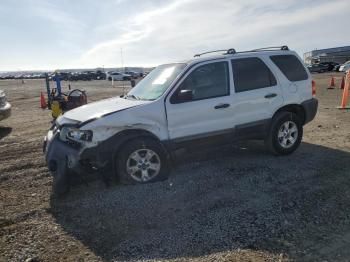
x,y
97,109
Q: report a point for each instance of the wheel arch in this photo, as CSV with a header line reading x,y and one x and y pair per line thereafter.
x,y
123,137
129,134
293,108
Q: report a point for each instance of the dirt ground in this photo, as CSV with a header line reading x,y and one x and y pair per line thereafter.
x,y
236,203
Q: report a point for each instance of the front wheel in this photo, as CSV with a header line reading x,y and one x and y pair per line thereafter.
x,y
285,133
142,161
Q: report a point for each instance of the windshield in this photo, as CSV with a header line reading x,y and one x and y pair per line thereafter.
x,y
156,82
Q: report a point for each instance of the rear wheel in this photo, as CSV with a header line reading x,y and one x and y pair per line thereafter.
x,y
285,133
142,161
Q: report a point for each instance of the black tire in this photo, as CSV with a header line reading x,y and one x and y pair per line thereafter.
x,y
272,142
138,144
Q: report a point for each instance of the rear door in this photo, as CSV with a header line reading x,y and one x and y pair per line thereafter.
x,y
257,94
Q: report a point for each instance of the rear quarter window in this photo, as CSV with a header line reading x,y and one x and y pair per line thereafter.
x,y
291,67
250,74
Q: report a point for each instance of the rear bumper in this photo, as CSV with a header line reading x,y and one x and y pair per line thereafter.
x,y
310,108
5,111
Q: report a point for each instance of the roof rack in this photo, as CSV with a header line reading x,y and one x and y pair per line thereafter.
x,y
272,48
232,51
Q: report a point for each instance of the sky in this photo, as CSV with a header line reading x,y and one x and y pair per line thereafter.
x,y
58,34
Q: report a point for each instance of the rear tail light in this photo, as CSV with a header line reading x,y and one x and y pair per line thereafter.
x,y
313,86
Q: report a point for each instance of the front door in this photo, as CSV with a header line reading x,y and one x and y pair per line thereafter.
x,y
209,111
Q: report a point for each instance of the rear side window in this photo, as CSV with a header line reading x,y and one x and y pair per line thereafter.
x,y
251,73
291,67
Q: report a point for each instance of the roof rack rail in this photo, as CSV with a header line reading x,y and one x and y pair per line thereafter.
x,y
230,51
273,48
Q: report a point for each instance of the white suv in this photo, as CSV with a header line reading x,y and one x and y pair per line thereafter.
x,y
344,67
261,94
5,107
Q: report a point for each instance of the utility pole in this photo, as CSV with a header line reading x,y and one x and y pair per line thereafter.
x,y
121,58
122,65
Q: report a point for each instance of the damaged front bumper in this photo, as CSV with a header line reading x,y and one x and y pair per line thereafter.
x,y
59,154
5,111
65,160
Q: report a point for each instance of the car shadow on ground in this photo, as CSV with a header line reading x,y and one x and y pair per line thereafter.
x,y
219,201
4,131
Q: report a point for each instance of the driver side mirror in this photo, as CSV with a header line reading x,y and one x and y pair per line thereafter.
x,y
184,96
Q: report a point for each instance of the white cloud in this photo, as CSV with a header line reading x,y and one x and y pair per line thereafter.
x,y
62,20
185,27
87,33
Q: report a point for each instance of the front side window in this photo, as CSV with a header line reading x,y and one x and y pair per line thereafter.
x,y
156,82
251,73
208,81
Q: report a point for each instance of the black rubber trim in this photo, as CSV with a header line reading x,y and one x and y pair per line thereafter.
x,y
204,135
310,106
256,129
253,130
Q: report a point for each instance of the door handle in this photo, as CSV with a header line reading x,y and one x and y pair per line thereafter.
x,y
271,95
222,106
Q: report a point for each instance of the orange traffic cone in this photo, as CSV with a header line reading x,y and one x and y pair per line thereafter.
x,y
313,87
42,101
344,100
342,83
332,83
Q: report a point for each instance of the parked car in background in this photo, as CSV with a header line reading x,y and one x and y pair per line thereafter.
x,y
75,76
99,75
5,107
344,67
8,77
80,76
65,76
133,74
88,75
330,65
317,68
117,76
336,68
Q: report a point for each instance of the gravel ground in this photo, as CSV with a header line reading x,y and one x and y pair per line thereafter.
x,y
236,203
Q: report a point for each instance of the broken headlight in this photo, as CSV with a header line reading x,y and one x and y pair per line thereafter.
x,y
75,134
